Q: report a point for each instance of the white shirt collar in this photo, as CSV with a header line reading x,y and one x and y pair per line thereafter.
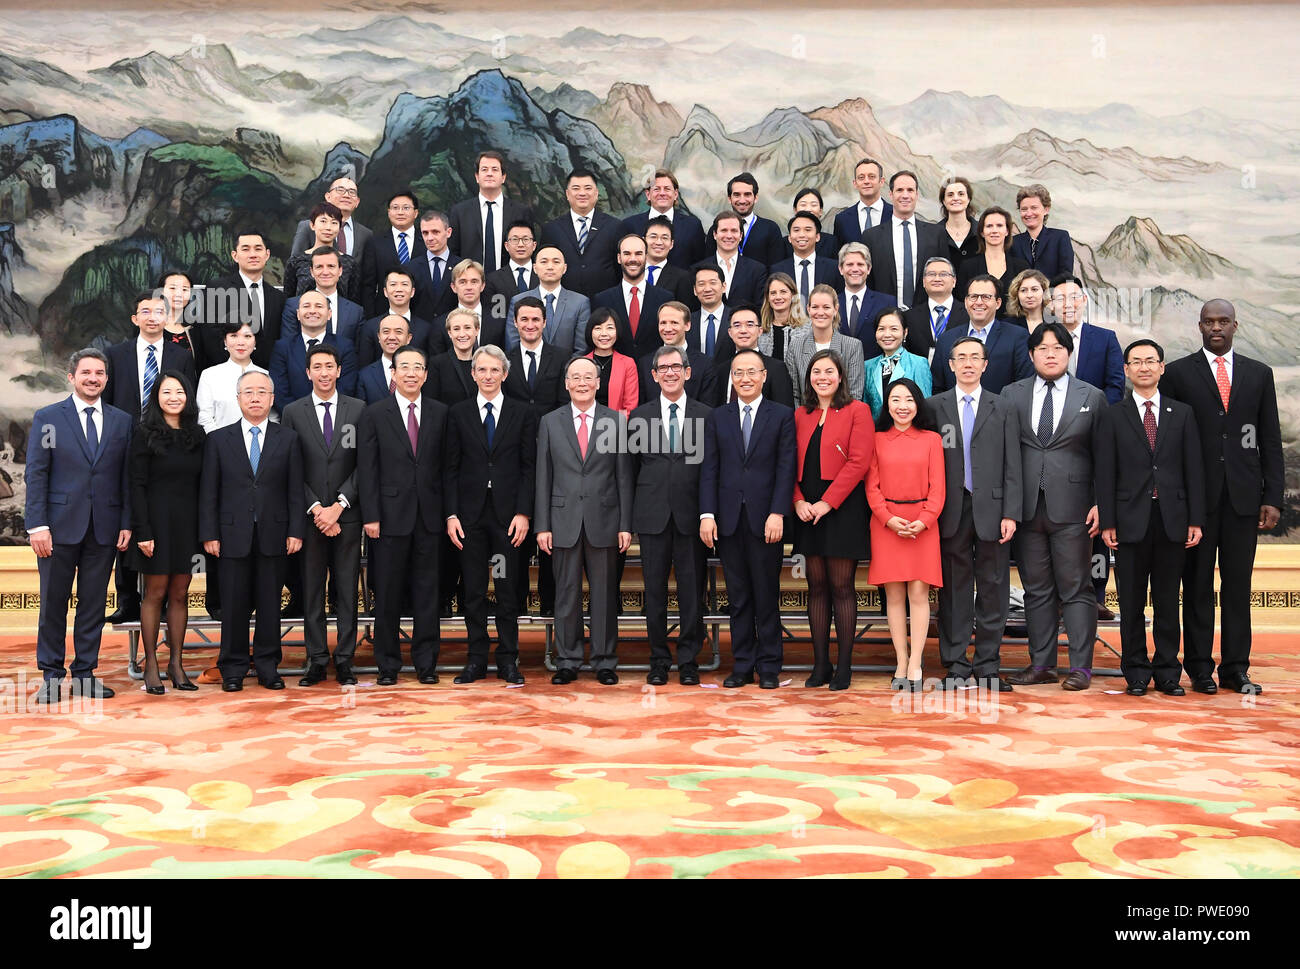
x,y
1141,401
245,425
946,304
898,220
495,402
574,216
655,213
142,344
305,337
574,411
499,201
640,285
402,403
82,404
333,401
542,288
753,407
445,255
681,408
248,280
974,396
1061,383
1211,357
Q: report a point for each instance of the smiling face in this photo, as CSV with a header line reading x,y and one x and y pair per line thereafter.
x,y
662,194
313,313
968,363
325,271
469,287
172,397
708,288
821,310
956,199
742,197
531,324
902,406
659,242
744,329
727,236
462,331
581,380
326,228
854,270
402,213
89,378
256,394
323,371
1144,368
520,244
982,303
409,372
1068,302
604,335
903,196
240,344
582,194
867,179
803,237
995,232
150,318
176,290
488,374
673,325
809,203
939,281
342,195
890,333
394,332
399,289
779,297
1033,213
747,376
824,378
671,373
631,256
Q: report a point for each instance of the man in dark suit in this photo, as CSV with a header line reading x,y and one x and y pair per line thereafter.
x,y
810,200
632,301
467,281
709,322
806,267
431,269
662,192
659,270
746,489
343,317
668,431
928,319
251,519
982,469
587,239
399,289
134,366
583,516
566,311
77,513
1096,359
535,378
517,274
398,245
1235,403
1050,251
353,238
488,487
289,367
401,447
701,382
742,277
859,305
901,244
1058,423
871,210
760,238
1151,501
326,424
1005,345
743,331
478,224
378,379
243,295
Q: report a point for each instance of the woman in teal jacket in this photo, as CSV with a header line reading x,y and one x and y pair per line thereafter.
x,y
894,362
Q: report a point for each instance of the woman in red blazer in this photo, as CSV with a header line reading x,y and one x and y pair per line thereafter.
x,y
620,384
836,437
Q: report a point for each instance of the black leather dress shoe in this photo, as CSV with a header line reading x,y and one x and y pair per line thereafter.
x,y
1136,689
688,676
563,676
50,693
315,674
509,672
470,673
951,682
231,686
126,612
343,673
1240,684
1204,684
768,681
994,684
275,684
387,679
606,677
92,687
658,676
738,679
427,676
292,611
1171,689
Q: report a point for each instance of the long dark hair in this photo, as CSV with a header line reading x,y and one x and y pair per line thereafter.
x,y
922,421
158,433
841,397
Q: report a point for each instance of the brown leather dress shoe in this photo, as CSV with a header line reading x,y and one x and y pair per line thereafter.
x,y
1031,677
1077,680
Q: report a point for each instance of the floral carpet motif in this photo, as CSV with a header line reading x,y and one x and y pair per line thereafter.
x,y
633,781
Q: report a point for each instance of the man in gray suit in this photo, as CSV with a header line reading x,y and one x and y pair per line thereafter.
x,y
325,422
981,458
583,516
566,311
1059,417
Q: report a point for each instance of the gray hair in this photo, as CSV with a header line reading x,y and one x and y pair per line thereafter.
x,y
250,372
665,350
849,248
493,351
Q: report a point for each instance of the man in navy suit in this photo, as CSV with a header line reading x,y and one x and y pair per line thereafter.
x,y
289,358
746,489
930,317
1050,251
377,380
1005,345
399,244
632,301
587,238
901,244
659,271
489,212
77,512
344,316
760,238
860,305
871,210
516,275
743,278
1097,359
708,323
688,234
566,311
805,267
430,269
399,288
700,381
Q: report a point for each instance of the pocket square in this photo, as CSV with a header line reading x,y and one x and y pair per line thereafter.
x,y
1083,410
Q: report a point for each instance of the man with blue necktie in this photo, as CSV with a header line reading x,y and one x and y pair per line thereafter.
x,y
859,305
931,317
1004,344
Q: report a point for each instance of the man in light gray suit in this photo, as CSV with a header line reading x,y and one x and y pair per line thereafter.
x,y
566,311
1059,416
325,422
981,458
583,517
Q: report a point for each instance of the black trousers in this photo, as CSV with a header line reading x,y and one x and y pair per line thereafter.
x,y
685,555
408,565
489,554
752,569
251,582
1157,562
976,594
1233,539
127,582
339,560
88,563
545,576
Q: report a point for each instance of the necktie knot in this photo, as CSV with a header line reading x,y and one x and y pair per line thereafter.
x,y
1147,405
487,406
672,410
1051,385
968,398
803,262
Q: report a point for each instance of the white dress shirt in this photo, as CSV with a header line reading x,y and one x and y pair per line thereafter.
x,y
141,354
316,403
410,239
1214,370
261,293
496,403
403,407
218,405
655,213
248,438
445,256
877,209
666,418
1141,403
898,251
1058,401
640,285
974,399
574,413
498,222
577,227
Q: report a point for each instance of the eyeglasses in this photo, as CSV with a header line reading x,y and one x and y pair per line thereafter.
x,y
1073,298
670,368
345,192
401,208
519,240
981,297
939,275
409,368
746,374
743,325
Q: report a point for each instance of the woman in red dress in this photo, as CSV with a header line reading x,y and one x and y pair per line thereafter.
x,y
905,489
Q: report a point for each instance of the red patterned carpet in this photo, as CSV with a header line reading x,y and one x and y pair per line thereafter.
x,y
484,780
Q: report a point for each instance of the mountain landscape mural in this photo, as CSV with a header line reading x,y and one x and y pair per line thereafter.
x,y
138,141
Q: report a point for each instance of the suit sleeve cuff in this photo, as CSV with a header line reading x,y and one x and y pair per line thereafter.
x,y
706,516
343,501
38,528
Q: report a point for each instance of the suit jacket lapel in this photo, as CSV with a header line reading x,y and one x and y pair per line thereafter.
x,y
78,422
398,402
1135,423
759,420
1074,395
571,433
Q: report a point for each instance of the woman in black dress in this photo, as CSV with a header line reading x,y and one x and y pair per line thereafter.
x,y
959,240
166,461
835,437
176,288
994,258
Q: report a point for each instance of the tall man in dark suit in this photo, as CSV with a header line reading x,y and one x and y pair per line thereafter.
x,y
588,239
901,244
478,224
806,267
871,210
583,516
77,513
516,275
398,244
1058,424
632,301
401,448
742,276
982,469
289,367
760,238
1235,403
1005,345
244,296
326,424
662,192
343,317
928,319
659,270
666,511
1151,499
353,238
134,366
488,482
431,269
746,489
860,305
251,518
